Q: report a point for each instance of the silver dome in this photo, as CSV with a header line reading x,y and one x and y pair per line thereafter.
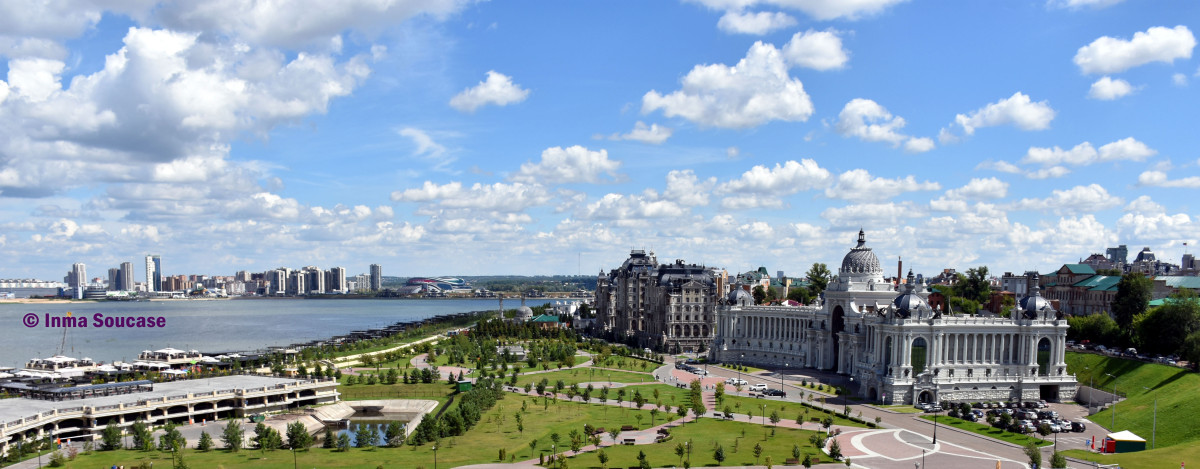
x,y
739,297
909,302
1034,304
860,259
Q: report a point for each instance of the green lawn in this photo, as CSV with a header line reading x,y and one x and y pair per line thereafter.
x,y
1162,457
745,369
989,431
900,408
627,363
737,438
496,429
787,410
584,375
1173,387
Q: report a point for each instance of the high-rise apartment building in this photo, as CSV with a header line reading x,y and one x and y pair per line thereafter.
x,y
153,272
125,277
77,278
114,279
376,277
315,281
336,280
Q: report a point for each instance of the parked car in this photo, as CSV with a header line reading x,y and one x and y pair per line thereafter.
x,y
1078,427
735,381
758,387
775,393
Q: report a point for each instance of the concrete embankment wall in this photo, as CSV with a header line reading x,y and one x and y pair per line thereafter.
x,y
413,410
1092,397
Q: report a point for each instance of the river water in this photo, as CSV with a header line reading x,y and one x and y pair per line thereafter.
x,y
204,325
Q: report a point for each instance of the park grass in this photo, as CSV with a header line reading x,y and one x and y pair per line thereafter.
x,y
746,369
1161,457
627,364
1173,387
584,375
705,434
496,430
899,408
988,431
788,411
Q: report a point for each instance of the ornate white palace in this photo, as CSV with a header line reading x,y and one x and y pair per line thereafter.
x,y
895,348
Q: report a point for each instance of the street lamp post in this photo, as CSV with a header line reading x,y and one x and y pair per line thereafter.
x,y
1154,428
922,457
740,361
764,407
1113,427
781,396
434,456
688,445
935,415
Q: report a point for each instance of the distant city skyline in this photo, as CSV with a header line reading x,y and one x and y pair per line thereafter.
x,y
450,137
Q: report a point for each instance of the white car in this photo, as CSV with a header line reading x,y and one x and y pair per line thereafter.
x,y
759,387
735,381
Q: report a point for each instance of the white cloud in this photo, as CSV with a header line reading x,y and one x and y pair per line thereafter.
x,y
631,207
425,144
790,178
1078,199
758,23
1016,110
1126,149
1076,4
858,185
684,188
1158,226
978,189
500,197
918,144
873,215
653,133
822,10
566,165
1145,204
1160,179
818,50
1179,79
497,89
1157,44
867,120
299,23
1107,89
755,91
1082,234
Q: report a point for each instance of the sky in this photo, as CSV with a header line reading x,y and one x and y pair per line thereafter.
x,y
453,137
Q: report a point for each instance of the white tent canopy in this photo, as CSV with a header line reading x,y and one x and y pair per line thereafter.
x,y
1125,435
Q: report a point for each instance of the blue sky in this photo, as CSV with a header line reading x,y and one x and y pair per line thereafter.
x,y
447,137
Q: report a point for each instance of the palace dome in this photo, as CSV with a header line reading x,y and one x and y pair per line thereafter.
x,y
739,297
1034,304
860,259
909,302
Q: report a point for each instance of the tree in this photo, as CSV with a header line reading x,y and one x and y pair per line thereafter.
x,y
603,457
111,438
719,454
642,462
835,450
297,436
142,438
170,438
653,414
343,442
1034,453
679,450
1098,328
775,417
1133,295
758,449
232,436
807,463
818,278
205,443
1057,460
975,285
613,432
1164,329
330,441
760,294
